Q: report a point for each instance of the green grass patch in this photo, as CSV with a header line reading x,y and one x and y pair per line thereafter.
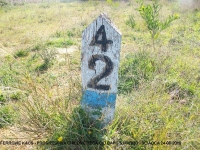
x,y
134,69
78,129
2,99
16,95
7,116
47,55
60,42
43,67
21,53
37,47
131,21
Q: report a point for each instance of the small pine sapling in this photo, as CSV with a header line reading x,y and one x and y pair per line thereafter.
x,y
150,14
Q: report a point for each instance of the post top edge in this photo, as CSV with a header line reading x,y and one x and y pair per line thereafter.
x,y
105,16
108,20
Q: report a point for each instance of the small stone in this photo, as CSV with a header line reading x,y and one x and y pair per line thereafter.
x,y
174,94
182,102
7,88
68,50
171,101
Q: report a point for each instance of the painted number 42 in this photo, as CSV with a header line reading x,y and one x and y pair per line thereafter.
x,y
107,70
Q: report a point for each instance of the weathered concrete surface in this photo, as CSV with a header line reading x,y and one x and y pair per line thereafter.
x,y
101,44
90,50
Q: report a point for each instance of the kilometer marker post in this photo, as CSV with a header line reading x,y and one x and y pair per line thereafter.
x,y
101,43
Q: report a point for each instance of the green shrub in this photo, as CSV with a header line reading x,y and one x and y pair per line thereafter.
x,y
134,69
7,116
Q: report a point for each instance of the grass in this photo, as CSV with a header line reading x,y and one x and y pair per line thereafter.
x,y
131,22
158,90
21,53
2,99
135,68
7,116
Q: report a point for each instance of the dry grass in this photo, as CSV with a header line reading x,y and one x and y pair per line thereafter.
x,y
147,113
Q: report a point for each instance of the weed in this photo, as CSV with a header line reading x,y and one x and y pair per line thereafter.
x,y
47,55
9,76
60,42
21,53
2,99
70,34
58,34
37,47
112,3
134,69
63,34
16,95
78,132
131,21
7,115
42,67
